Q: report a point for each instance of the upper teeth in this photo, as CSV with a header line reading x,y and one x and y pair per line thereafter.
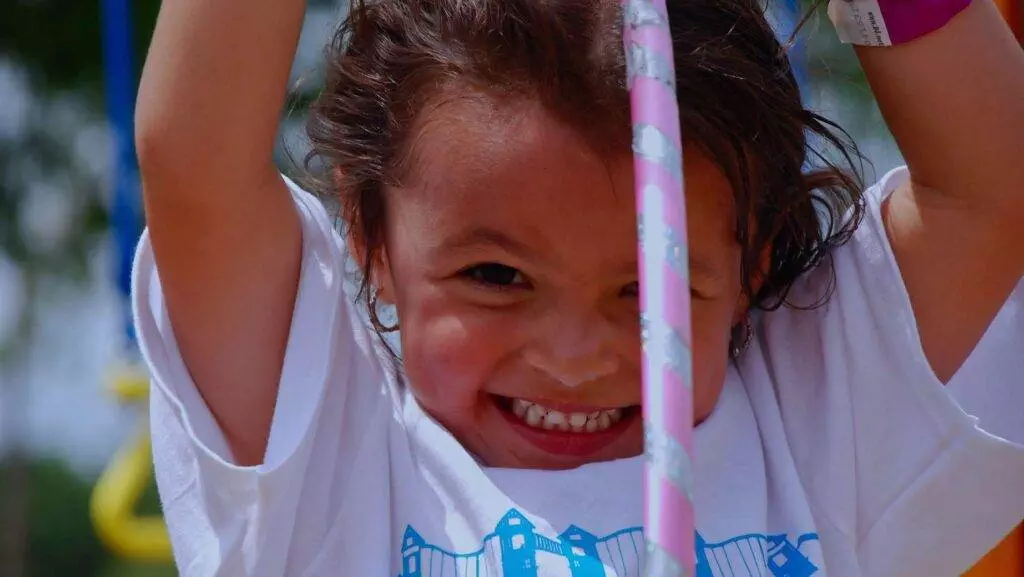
x,y
542,417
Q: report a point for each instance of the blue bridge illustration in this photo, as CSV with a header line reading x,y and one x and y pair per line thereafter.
x,y
515,549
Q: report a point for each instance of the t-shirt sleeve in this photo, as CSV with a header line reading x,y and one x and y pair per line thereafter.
x,y
937,471
333,401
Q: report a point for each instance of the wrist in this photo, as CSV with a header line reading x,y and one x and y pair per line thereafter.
x,y
890,22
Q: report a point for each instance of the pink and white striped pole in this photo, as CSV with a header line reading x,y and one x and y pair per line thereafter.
x,y
664,291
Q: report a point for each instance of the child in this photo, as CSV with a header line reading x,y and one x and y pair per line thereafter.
x,y
479,150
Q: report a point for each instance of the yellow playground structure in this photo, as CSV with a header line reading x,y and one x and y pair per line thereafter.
x,y
127,477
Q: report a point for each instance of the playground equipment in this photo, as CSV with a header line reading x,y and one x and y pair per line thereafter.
x,y
128,474
127,477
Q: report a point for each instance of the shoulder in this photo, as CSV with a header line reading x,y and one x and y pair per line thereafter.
x,y
854,304
885,449
331,354
330,438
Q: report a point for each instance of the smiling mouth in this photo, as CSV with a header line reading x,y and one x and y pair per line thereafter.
x,y
563,418
567,430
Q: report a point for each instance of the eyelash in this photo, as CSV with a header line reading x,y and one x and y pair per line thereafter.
x,y
474,275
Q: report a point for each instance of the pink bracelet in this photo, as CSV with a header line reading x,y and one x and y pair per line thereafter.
x,y
889,22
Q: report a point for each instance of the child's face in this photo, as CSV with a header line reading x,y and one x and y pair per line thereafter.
x,y
511,258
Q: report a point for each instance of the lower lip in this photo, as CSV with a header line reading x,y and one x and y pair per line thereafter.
x,y
568,443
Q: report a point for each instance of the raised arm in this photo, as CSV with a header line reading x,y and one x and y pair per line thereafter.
x,y
225,234
954,100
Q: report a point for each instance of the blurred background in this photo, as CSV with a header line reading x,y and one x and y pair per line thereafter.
x,y
76,496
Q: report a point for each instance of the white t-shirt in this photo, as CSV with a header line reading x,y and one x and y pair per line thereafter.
x,y
832,450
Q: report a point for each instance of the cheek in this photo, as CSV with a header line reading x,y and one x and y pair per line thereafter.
x,y
450,354
711,332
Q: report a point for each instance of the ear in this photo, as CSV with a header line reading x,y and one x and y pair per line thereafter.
x,y
378,270
382,279
743,302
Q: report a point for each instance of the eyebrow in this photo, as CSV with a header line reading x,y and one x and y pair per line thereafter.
x,y
483,237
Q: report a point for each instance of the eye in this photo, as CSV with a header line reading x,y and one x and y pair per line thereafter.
x,y
698,295
494,275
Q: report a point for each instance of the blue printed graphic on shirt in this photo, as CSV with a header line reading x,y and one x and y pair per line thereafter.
x,y
515,549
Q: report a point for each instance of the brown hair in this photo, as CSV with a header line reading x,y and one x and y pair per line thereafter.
x,y
738,97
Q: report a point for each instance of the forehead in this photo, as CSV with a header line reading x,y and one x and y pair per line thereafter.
x,y
472,152
480,167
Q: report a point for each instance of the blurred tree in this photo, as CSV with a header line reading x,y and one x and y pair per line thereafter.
x,y
59,42
60,540
55,45
50,53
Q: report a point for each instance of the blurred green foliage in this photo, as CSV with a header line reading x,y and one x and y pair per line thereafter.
x,y
60,538
59,41
61,541
56,45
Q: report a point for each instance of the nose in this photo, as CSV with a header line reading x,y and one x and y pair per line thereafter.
x,y
574,348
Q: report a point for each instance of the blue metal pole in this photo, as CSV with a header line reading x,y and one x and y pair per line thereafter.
x,y
788,15
125,211
798,53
